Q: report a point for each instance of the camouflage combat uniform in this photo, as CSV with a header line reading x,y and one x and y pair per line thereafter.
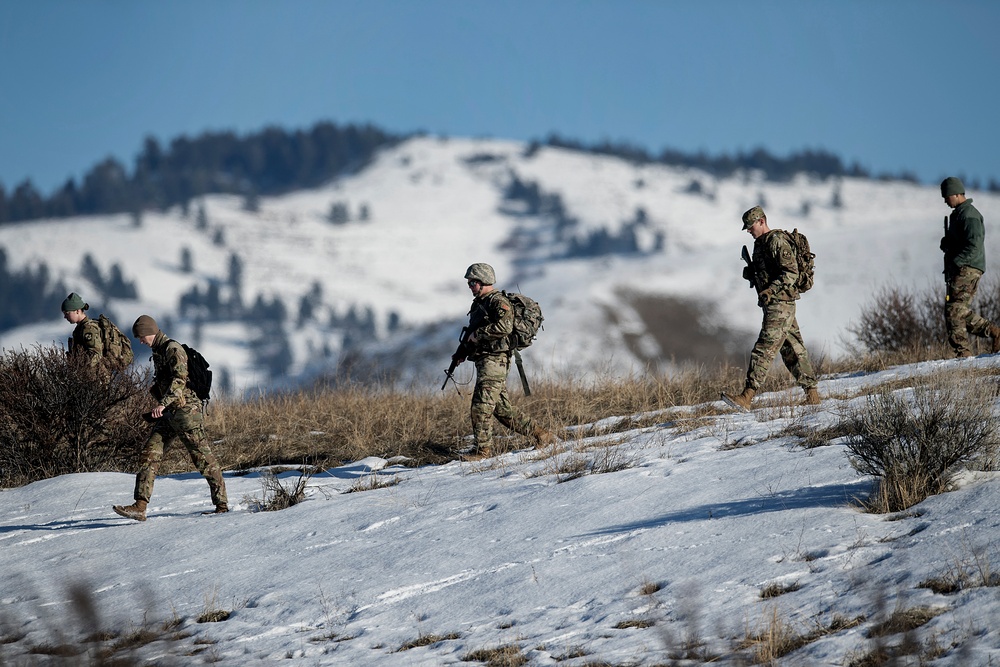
x,y
965,262
183,419
87,341
491,320
775,272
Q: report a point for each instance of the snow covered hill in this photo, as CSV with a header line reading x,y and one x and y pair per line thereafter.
x,y
690,531
368,269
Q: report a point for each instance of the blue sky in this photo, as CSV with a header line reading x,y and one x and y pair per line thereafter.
x,y
892,85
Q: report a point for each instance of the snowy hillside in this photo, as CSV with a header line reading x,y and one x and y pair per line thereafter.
x,y
673,545
602,244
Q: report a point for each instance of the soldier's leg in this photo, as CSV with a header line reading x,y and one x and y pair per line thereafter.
x,y
796,357
192,434
958,313
491,381
773,331
158,442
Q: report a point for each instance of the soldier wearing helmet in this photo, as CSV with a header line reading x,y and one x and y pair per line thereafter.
x,y
491,321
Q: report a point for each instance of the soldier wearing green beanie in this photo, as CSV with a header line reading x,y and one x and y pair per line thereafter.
x,y
86,339
177,416
964,264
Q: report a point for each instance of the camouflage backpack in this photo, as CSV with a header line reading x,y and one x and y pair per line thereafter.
x,y
527,320
117,346
805,259
199,377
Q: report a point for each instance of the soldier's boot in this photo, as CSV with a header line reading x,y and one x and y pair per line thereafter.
x,y
812,396
136,510
740,401
219,509
542,437
994,333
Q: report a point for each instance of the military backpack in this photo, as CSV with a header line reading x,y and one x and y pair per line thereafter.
x,y
527,320
805,259
117,346
199,377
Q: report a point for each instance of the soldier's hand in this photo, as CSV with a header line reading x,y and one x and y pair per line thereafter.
x,y
157,412
457,359
763,299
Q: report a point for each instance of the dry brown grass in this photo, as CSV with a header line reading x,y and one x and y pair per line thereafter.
x,y
331,426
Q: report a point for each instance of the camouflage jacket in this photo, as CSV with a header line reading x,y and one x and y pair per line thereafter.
x,y
170,374
491,320
775,268
87,341
963,244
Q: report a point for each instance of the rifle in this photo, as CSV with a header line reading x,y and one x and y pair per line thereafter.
x,y
460,354
746,258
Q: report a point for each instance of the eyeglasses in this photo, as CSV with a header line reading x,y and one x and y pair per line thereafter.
x,y
473,283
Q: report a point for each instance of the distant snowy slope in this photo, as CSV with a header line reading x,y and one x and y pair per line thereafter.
x,y
578,232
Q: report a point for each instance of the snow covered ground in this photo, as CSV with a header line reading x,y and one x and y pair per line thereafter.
x,y
610,568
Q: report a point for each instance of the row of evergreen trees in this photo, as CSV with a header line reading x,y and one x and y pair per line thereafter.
x,y
266,162
275,160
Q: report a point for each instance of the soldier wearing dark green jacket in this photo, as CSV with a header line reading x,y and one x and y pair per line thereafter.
x,y
774,272
177,416
964,264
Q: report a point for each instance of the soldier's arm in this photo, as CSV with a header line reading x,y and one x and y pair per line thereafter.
x,y
500,321
972,236
91,343
176,361
787,268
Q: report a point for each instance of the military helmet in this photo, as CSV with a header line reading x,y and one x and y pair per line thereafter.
x,y
752,216
952,186
482,272
74,302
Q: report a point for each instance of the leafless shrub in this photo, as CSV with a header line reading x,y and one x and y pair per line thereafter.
x,y
427,640
902,322
774,589
912,447
509,655
975,569
58,416
372,482
277,495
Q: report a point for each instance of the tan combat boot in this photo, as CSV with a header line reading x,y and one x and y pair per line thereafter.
x,y
542,437
219,509
995,335
740,401
812,396
136,510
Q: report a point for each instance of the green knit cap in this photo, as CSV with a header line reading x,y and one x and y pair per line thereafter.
x,y
144,326
74,302
952,186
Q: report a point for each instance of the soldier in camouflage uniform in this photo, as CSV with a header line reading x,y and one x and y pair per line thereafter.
x,y
491,320
774,273
177,416
86,340
964,264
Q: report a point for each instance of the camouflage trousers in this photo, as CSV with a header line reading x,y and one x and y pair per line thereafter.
x,y
781,332
960,319
490,399
187,425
